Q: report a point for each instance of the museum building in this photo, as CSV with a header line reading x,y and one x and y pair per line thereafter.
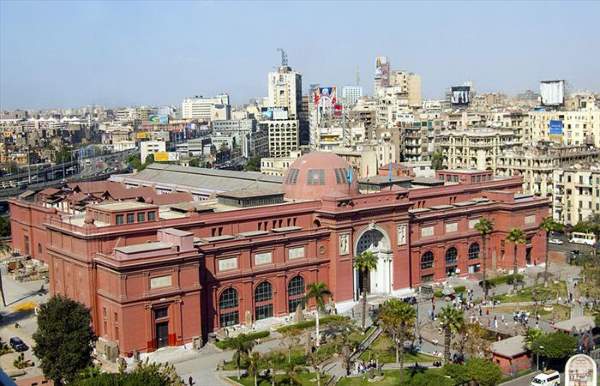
x,y
156,273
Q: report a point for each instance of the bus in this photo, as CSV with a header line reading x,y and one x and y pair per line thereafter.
x,y
583,238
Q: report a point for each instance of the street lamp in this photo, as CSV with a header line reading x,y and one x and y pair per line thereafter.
x,y
538,357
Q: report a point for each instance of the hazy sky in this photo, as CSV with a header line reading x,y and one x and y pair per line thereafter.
x,y
74,53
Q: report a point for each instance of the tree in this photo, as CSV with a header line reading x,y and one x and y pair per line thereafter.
x,y
451,321
4,226
63,155
242,346
548,225
458,373
195,162
472,339
483,372
428,378
64,339
291,338
437,160
149,160
254,366
516,236
364,263
146,373
485,227
317,291
397,318
3,249
253,165
531,335
556,345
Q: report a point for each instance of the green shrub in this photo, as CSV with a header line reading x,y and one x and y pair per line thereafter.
x,y
460,289
506,279
226,343
311,323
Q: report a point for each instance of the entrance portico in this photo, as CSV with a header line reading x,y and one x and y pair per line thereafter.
x,y
379,281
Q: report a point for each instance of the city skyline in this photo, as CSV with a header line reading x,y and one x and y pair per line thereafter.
x,y
64,54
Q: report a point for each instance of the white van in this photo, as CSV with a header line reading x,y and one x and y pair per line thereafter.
x,y
583,238
547,378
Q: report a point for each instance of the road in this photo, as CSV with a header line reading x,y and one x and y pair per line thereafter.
x,y
526,380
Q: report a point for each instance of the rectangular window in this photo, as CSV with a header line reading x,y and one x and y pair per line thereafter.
x,y
316,177
296,253
451,227
293,304
130,218
228,264
161,313
141,216
229,319
427,231
120,219
151,216
426,278
263,312
263,258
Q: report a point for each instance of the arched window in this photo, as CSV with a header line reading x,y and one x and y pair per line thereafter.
x,y
474,251
263,305
228,303
295,293
427,260
451,256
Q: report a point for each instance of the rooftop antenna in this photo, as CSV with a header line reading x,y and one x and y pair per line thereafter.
x,y
284,60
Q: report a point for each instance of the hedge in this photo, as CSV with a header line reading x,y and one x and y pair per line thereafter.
x,y
226,343
311,323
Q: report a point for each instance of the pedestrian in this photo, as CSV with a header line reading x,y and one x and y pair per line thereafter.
x,y
191,381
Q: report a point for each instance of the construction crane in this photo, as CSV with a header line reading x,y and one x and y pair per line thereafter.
x,y
284,61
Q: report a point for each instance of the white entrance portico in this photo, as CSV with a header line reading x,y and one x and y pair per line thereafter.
x,y
379,281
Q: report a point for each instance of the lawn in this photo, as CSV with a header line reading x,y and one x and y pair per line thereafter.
x,y
553,291
383,349
391,378
559,311
304,379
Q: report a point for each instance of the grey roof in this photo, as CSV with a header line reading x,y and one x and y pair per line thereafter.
x,y
581,324
145,247
250,192
510,347
384,180
210,180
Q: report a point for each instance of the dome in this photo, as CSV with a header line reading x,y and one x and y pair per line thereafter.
x,y
317,175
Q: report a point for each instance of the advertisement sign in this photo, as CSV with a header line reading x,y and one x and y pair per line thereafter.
x,y
274,113
382,71
555,127
157,119
161,156
142,135
325,97
460,95
581,371
552,92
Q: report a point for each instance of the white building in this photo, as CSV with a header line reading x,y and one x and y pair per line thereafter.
x,y
206,109
151,147
285,90
576,193
351,95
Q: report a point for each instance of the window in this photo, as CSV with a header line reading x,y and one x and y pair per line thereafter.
x,y
160,313
228,299
427,260
130,218
295,293
227,302
229,319
263,292
151,216
119,219
263,311
141,216
316,177
451,256
426,278
474,251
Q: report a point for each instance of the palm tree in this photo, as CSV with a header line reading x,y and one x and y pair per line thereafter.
x,y
516,236
364,263
3,248
398,319
451,321
317,291
485,227
548,225
253,366
242,346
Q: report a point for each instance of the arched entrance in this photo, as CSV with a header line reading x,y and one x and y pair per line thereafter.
x,y
379,281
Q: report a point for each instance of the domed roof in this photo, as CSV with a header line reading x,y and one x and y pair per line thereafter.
x,y
317,175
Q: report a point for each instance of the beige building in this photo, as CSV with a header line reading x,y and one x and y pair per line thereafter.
x,y
205,109
408,83
577,193
283,136
476,148
285,90
579,126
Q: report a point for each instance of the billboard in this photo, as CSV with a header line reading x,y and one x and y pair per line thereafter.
x,y
382,71
274,113
157,119
325,97
552,92
460,95
555,127
142,135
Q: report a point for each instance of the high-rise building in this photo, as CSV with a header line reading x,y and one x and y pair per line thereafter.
x,y
351,94
408,83
382,73
202,108
285,90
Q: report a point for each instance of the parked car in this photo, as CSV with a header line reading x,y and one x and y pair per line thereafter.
x,y
556,241
17,344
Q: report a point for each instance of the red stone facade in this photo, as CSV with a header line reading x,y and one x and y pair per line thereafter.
x,y
164,280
